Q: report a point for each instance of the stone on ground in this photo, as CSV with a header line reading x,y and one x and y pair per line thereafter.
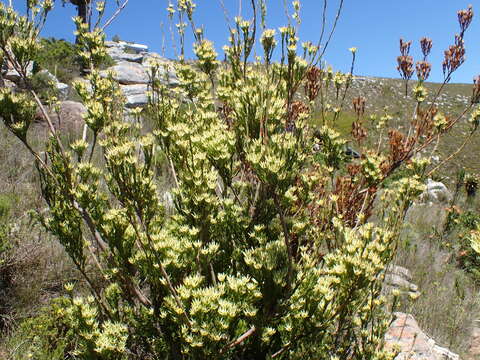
x,y
413,344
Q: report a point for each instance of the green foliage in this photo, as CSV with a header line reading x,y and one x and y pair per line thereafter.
x,y
342,124
59,57
267,252
68,327
466,224
42,84
6,203
5,244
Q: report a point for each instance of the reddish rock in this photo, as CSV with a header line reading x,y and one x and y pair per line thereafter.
x,y
412,342
474,349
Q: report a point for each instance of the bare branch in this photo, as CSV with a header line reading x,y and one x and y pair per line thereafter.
x,y
281,351
240,339
337,17
115,15
225,12
324,22
286,233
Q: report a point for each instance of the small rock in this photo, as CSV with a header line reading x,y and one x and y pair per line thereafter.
x,y
413,343
110,44
166,71
436,192
63,90
13,75
153,56
136,47
399,278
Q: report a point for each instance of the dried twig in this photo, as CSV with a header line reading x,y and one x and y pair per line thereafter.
x,y
240,339
114,16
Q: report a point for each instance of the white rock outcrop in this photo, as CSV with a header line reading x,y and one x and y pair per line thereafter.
x,y
128,73
132,70
136,95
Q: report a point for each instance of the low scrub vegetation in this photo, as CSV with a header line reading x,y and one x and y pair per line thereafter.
x,y
59,57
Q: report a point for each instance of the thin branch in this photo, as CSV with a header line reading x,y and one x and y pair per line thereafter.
x,y
347,86
286,234
174,173
89,14
100,16
287,14
282,350
103,246
254,204
225,12
339,11
240,339
452,155
93,146
44,113
114,16
254,8
91,226
95,292
324,23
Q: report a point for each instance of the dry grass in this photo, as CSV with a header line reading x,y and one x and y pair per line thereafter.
x,y
449,303
35,267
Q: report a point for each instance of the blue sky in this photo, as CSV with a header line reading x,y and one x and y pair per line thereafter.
x,y
373,26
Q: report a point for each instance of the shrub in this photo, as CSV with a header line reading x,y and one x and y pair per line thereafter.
x,y
6,203
42,84
268,252
59,57
466,223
